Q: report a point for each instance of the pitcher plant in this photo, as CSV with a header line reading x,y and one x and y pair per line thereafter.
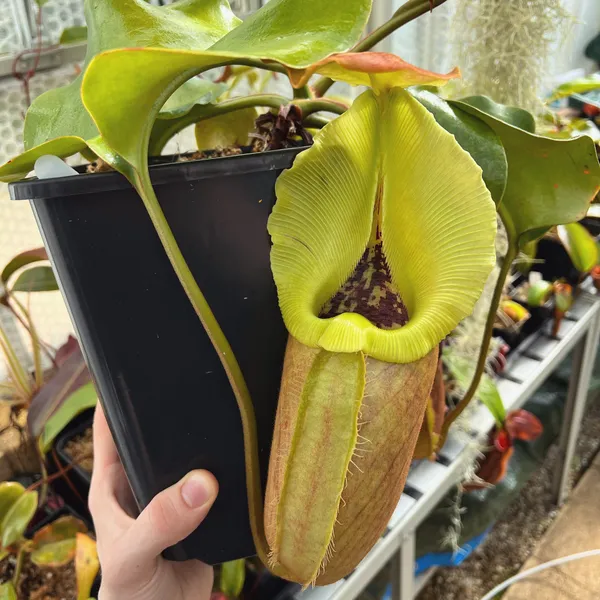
x,y
383,234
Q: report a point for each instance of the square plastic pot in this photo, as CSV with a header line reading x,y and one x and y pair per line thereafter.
x,y
166,396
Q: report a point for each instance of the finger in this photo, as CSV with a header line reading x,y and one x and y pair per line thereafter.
x,y
105,451
172,515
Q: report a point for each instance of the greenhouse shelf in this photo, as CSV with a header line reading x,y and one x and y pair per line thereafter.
x,y
428,482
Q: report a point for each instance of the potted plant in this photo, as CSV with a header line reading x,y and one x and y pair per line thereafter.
x,y
59,560
376,201
43,401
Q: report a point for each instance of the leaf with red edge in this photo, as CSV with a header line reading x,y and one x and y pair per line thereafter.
x,y
64,528
70,376
22,259
374,69
522,425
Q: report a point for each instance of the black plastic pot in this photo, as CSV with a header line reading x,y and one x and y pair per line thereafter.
x,y
74,485
165,393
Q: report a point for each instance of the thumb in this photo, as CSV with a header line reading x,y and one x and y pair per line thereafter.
x,y
173,514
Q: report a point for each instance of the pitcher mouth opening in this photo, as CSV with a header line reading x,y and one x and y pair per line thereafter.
x,y
370,292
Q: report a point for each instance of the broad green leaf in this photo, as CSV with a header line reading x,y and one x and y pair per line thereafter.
x,y
36,279
192,92
22,259
577,86
72,35
226,130
86,565
550,181
474,136
20,166
64,528
57,122
165,69
123,24
580,245
233,575
17,519
518,117
10,492
435,217
7,591
539,293
82,399
54,554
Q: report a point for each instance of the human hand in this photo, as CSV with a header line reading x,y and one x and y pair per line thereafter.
x,y
130,548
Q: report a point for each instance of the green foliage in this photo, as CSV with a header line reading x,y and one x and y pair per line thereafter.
x,y
17,518
72,35
36,279
580,245
82,399
233,575
474,136
21,260
7,591
576,86
539,293
462,370
550,182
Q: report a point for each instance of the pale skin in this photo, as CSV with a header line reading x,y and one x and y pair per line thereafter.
x,y
130,548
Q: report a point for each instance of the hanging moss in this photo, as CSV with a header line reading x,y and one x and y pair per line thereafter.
x,y
504,47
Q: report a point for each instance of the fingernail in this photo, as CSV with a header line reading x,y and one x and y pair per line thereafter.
x,y
196,491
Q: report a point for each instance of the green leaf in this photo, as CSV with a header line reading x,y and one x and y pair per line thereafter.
x,y
192,92
10,492
72,35
22,259
7,591
349,184
539,293
283,31
474,136
17,519
36,279
550,181
19,167
488,393
57,122
518,117
226,130
64,528
85,397
580,245
233,575
576,86
54,554
462,370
